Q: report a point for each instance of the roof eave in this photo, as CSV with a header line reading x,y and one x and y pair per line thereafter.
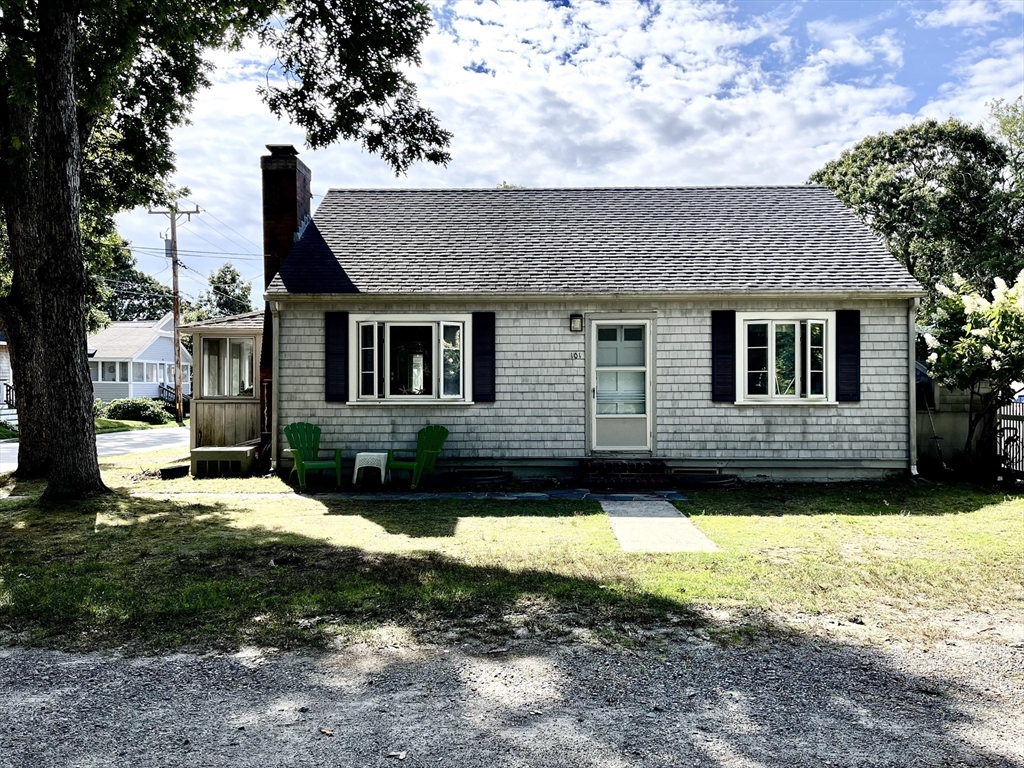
x,y
307,298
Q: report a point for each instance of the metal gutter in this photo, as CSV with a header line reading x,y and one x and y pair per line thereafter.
x,y
912,306
562,298
275,377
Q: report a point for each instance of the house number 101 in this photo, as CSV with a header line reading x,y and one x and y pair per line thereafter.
x,y
576,356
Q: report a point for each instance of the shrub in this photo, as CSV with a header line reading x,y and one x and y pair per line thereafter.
x,y
98,409
138,409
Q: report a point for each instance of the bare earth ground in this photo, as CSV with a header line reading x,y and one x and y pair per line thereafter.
x,y
674,698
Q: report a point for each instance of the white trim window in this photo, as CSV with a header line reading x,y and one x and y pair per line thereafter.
x,y
229,367
138,372
785,357
410,358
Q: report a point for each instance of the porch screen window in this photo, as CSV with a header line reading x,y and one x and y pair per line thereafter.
x,y
108,370
229,367
94,370
138,371
785,359
151,372
411,360
122,371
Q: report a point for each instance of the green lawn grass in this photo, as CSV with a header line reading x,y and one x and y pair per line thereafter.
x,y
105,426
6,432
289,570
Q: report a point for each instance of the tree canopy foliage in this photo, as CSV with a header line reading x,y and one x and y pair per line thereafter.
x,y
90,93
944,197
228,293
130,294
976,345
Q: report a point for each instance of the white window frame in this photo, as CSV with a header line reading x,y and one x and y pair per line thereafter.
x,y
743,319
648,368
225,371
114,380
436,322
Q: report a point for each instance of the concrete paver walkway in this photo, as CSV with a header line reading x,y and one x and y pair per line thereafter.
x,y
654,526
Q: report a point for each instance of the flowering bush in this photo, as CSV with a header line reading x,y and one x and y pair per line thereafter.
x,y
976,344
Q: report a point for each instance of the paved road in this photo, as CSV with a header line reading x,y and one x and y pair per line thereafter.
x,y
115,444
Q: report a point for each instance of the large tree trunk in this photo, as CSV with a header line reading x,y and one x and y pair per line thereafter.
x,y
21,311
74,468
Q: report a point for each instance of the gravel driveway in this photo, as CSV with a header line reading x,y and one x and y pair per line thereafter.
x,y
686,702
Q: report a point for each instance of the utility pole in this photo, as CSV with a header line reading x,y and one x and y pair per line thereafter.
x,y
173,213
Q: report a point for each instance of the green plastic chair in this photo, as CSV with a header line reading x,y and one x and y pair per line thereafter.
x,y
429,442
304,440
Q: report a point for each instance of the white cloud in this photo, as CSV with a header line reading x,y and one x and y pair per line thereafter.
x,y
984,74
970,13
621,93
845,43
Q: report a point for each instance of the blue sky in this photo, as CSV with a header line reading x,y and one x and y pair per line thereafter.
x,y
617,93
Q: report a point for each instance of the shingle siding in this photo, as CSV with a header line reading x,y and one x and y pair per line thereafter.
x,y
540,408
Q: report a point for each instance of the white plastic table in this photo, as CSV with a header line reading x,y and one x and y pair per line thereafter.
x,y
378,460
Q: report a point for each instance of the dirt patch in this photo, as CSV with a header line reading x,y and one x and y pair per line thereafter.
x,y
672,699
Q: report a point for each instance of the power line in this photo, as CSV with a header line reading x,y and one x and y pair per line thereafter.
x,y
186,251
204,239
213,287
214,217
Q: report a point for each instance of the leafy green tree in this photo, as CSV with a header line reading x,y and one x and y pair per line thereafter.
x,y
977,345
131,294
89,94
938,195
228,294
1008,129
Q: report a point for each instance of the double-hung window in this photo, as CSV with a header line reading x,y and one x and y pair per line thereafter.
x,y
785,357
409,359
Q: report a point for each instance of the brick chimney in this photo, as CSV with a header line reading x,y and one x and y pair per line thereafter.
x,y
286,199
286,203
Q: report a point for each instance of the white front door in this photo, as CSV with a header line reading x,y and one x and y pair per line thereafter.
x,y
620,393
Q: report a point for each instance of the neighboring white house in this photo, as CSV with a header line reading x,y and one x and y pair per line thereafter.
x,y
134,358
8,414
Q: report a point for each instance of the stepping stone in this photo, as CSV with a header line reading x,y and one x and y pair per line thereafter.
x,y
654,526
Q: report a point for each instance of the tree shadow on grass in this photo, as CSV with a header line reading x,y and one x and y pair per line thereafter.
x,y
153,574
867,499
435,518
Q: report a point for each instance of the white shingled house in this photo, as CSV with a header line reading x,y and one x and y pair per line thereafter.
x,y
761,331
136,359
8,411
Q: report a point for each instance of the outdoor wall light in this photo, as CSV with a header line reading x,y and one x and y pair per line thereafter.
x,y
576,323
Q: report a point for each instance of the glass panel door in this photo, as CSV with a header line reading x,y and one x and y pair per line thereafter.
x,y
621,419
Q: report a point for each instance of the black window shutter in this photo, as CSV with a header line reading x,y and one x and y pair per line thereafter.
x,y
848,355
483,357
723,355
336,356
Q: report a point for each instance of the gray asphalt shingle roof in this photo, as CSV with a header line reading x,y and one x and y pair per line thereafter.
x,y
797,239
249,321
123,340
